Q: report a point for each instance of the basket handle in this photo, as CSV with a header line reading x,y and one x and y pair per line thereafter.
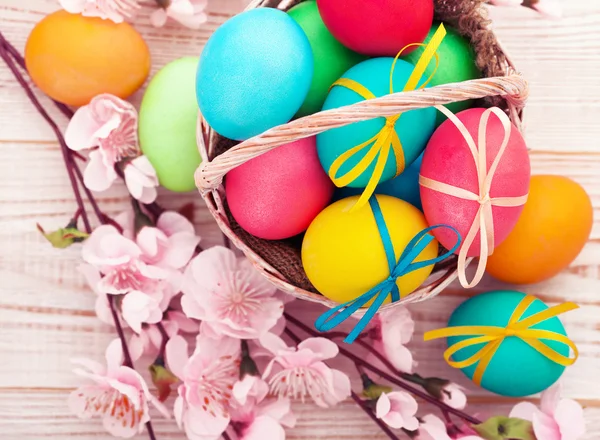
x,y
513,88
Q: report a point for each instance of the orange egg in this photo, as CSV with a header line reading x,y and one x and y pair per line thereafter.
x,y
551,231
74,58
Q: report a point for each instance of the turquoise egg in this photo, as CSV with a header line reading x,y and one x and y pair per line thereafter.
x,y
254,73
404,187
414,128
517,369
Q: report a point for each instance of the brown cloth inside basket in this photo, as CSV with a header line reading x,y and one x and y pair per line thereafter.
x,y
468,17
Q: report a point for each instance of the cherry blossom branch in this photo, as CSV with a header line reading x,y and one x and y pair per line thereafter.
x,y
390,378
74,173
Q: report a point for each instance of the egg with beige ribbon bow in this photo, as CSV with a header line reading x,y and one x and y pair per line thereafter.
x,y
475,177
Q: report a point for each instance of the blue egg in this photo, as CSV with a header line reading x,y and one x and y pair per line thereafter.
x,y
517,369
254,73
405,186
414,128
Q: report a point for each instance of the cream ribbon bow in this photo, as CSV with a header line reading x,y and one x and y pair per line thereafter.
x,y
484,220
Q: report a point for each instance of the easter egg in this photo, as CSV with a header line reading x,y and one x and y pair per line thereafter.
x,y
73,58
457,64
254,73
405,186
413,128
343,254
447,159
167,125
277,194
377,27
516,369
553,228
331,58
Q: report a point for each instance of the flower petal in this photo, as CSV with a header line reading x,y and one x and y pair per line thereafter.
x,y
180,249
263,428
97,176
79,134
524,410
114,355
383,406
158,18
569,417
171,222
322,347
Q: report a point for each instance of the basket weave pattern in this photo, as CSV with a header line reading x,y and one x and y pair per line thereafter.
x,y
280,260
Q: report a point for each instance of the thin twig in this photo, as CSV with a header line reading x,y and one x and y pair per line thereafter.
x,y
165,339
226,436
390,378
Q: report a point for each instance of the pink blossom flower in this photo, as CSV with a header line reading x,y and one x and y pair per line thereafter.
x,y
190,13
110,124
119,261
149,339
139,307
203,402
92,277
250,387
556,419
115,10
141,179
454,396
432,428
392,330
549,8
229,296
263,419
119,394
397,409
300,372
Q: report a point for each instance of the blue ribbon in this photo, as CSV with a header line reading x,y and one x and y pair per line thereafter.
x,y
406,264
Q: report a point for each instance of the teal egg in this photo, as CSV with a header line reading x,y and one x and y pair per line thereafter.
x,y
517,369
404,187
254,73
414,128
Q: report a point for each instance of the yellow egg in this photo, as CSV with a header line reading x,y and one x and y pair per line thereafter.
x,y
343,254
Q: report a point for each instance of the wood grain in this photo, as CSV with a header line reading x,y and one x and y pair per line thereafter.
x,y
46,311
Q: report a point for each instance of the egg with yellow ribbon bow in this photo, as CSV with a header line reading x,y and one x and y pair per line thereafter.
x,y
353,154
363,154
508,342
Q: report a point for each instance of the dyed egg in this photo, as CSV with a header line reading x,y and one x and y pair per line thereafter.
x,y
254,73
405,186
414,127
277,195
551,231
331,58
343,255
73,58
167,125
457,64
447,159
516,369
377,28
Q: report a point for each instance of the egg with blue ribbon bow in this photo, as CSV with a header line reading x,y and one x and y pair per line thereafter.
x,y
368,256
508,342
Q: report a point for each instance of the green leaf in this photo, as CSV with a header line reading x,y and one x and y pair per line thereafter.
x,y
64,237
505,428
374,391
162,379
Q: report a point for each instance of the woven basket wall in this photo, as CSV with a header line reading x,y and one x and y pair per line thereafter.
x,y
280,260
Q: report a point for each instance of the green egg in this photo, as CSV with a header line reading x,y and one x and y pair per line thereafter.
x,y
167,124
457,64
331,58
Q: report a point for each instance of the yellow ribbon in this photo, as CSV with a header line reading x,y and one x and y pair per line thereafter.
x,y
386,138
493,337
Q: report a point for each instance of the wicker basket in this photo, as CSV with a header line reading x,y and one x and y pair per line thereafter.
x,y
280,260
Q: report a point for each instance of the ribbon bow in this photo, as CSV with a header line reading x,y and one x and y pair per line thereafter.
x,y
386,138
484,220
405,264
493,337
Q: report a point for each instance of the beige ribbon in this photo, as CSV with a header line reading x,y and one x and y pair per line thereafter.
x,y
484,220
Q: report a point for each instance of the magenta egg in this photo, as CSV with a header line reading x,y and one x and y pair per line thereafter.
x,y
448,160
278,194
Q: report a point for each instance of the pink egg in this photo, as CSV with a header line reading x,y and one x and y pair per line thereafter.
x,y
447,159
278,194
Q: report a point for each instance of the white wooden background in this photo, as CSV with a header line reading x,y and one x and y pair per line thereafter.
x,y
46,311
